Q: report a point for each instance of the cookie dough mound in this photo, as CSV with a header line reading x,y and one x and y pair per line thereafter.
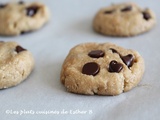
x,y
16,63
18,18
103,69
125,19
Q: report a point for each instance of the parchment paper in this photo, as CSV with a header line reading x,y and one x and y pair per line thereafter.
x,y
42,96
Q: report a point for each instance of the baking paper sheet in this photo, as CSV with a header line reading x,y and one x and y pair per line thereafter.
x,y
42,96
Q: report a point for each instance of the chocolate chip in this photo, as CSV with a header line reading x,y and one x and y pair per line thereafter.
x,y
31,11
19,49
3,5
21,2
114,66
128,60
108,12
128,8
146,15
25,32
96,53
91,68
113,50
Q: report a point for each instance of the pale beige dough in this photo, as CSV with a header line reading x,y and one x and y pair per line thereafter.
x,y
15,67
14,21
126,23
105,82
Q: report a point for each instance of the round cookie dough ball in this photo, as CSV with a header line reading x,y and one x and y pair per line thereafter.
x,y
19,18
125,19
103,69
16,63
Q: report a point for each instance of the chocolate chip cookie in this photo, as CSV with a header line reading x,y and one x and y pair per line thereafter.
x,y
103,69
16,63
125,19
19,18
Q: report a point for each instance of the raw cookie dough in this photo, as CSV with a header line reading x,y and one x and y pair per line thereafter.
x,y
18,18
16,63
125,19
103,69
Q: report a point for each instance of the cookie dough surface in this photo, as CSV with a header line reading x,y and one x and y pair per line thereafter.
x,y
18,18
103,69
16,63
125,19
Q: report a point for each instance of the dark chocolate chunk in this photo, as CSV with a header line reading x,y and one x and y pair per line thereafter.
x,y
146,15
26,32
108,12
113,50
21,2
96,53
91,68
23,32
128,8
32,10
128,59
19,49
114,66
3,5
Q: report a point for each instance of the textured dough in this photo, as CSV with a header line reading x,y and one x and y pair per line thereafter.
x,y
14,21
126,23
105,82
14,66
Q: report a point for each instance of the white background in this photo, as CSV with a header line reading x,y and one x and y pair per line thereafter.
x,y
71,24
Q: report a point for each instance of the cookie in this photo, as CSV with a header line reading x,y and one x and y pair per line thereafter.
x,y
19,18
102,69
16,63
125,19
